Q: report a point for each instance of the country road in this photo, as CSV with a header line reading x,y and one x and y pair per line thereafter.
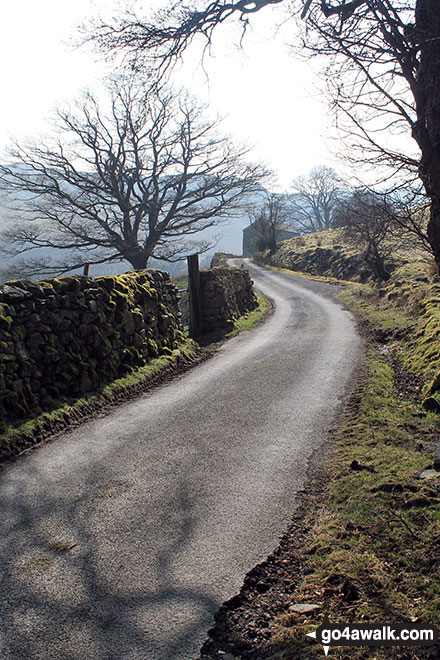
x,y
122,537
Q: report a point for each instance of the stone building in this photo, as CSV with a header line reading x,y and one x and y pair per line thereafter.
x,y
251,236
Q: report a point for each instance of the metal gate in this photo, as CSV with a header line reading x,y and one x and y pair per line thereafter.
x,y
184,308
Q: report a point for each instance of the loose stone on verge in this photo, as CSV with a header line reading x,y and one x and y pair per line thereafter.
x,y
304,608
437,455
430,473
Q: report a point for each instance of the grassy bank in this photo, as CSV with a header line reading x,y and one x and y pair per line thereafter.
x,y
373,551
331,254
68,412
249,320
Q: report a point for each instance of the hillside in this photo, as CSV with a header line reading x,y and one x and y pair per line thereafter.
x,y
327,254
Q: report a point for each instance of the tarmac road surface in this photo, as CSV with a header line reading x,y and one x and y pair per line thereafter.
x,y
121,538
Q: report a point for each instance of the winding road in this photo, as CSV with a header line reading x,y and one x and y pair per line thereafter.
x,y
122,538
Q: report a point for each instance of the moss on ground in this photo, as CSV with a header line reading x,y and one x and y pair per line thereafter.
x,y
408,313
373,553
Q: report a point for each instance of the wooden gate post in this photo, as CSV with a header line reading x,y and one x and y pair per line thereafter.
x,y
195,297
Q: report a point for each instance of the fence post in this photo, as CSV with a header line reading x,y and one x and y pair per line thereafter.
x,y
195,296
86,269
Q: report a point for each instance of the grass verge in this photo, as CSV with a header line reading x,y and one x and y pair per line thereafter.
x,y
68,412
251,319
373,552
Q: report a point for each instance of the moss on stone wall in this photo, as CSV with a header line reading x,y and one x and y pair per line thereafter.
x,y
220,259
71,335
227,293
19,436
425,348
337,261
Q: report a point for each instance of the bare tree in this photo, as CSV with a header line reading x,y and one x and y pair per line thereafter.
x,y
370,69
135,182
268,222
383,63
368,222
409,213
383,74
314,198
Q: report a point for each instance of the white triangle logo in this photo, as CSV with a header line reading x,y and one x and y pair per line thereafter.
x,y
326,648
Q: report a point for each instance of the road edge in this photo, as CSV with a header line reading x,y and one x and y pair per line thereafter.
x,y
49,425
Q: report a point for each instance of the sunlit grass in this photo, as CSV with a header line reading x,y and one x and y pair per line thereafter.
x,y
373,553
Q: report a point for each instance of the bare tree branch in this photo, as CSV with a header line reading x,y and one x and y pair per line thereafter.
x,y
130,183
367,222
382,65
314,197
157,44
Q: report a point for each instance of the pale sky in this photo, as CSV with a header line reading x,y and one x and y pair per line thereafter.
x,y
269,97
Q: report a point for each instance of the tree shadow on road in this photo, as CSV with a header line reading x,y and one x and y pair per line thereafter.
x,y
74,587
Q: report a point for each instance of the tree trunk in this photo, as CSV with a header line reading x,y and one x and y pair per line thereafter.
x,y
138,258
375,260
380,269
428,27
434,229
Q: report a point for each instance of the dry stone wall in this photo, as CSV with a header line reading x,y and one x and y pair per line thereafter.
x,y
70,335
226,294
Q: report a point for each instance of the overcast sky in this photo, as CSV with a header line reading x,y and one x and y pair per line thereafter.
x,y
270,99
